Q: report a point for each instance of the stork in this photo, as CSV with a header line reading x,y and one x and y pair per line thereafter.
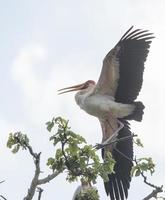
x,y
112,101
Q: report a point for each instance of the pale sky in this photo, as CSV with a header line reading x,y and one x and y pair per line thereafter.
x,y
47,45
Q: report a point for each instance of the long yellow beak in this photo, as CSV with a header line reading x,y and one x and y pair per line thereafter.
x,y
71,89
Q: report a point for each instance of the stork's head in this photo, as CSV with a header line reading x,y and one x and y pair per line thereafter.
x,y
79,87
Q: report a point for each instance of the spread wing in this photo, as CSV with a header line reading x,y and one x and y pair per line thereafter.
x,y
119,182
122,72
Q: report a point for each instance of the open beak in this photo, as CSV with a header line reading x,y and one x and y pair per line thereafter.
x,y
71,89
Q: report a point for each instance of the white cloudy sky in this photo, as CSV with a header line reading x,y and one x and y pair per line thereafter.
x,y
46,45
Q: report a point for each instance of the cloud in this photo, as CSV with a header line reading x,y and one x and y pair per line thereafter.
x,y
23,69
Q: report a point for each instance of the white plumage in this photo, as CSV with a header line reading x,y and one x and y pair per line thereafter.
x,y
101,106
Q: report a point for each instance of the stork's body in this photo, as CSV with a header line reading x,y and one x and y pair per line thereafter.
x,y
102,106
112,101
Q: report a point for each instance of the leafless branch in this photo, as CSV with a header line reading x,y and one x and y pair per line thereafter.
x,y
34,183
3,197
35,155
154,193
40,190
48,178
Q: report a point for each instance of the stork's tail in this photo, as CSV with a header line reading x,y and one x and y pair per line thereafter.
x,y
137,113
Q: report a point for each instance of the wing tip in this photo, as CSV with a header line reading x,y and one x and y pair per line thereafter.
x,y
137,34
126,32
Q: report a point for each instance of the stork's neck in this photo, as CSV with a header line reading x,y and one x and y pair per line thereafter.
x,y
81,95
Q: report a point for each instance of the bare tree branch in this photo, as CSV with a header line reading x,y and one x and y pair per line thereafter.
x,y
154,193
3,197
34,183
35,180
48,178
40,190
35,155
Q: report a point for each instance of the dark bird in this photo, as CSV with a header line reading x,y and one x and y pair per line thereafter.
x,y
112,101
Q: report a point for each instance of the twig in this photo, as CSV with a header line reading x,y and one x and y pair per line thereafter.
x,y
154,193
40,190
157,189
3,197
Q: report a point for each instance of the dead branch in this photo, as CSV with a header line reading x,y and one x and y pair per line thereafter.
x,y
154,193
3,197
34,183
40,190
48,178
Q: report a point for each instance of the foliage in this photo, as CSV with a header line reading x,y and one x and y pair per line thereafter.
x,y
72,154
88,194
143,165
79,159
17,140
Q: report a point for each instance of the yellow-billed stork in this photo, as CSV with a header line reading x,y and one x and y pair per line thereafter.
x,y
112,101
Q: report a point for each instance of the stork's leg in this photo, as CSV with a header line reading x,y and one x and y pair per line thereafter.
x,y
113,137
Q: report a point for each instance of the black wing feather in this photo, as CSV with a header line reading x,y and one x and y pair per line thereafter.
x,y
134,33
119,183
116,189
111,191
120,188
134,48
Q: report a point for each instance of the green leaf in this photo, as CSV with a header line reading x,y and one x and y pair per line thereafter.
x,y
10,141
50,161
50,125
73,148
138,142
58,154
16,148
137,172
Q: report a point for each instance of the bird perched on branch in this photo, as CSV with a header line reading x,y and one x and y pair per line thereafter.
x,y
112,101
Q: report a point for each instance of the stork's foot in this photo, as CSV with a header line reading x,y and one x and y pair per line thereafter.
x,y
99,146
112,140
